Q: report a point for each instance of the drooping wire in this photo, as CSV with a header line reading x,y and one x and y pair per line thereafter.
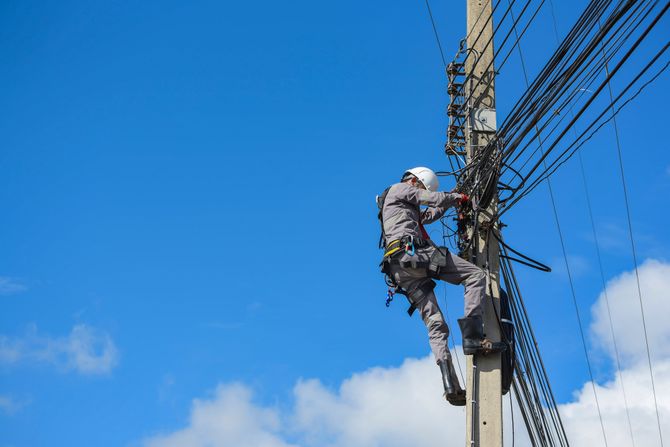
x,y
437,36
561,86
531,384
633,250
602,85
607,301
599,257
525,260
567,266
583,138
574,301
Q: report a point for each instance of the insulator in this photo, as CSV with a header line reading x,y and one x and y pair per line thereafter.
x,y
454,110
453,131
454,69
453,88
451,149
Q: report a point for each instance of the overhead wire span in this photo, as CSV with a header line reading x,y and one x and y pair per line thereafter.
x,y
633,250
579,319
567,266
529,146
525,260
599,257
555,163
531,385
563,84
437,36
607,302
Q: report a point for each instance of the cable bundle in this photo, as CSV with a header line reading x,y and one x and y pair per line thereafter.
x,y
530,144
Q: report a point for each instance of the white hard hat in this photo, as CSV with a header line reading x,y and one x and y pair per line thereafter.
x,y
425,176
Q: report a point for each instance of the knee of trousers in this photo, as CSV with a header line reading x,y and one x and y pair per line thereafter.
x,y
477,278
436,324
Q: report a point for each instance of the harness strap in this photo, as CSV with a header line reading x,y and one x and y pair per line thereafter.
x,y
393,247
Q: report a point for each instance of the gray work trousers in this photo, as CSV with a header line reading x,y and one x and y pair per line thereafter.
x,y
457,271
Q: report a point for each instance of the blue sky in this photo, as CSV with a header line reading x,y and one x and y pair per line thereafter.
x,y
188,201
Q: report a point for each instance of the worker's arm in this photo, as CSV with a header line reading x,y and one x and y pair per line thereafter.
x,y
431,199
436,199
431,214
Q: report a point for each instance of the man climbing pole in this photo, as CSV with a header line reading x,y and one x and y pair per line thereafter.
x,y
411,261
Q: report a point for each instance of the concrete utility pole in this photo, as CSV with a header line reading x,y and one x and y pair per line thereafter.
x,y
484,393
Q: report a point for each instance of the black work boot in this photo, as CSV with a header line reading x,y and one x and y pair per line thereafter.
x,y
453,392
474,342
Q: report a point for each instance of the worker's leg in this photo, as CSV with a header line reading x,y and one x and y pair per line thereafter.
x,y
417,284
438,330
460,271
420,293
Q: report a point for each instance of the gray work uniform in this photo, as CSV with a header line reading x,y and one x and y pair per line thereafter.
x,y
401,216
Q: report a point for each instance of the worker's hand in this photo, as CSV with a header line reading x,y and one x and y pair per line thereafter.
x,y
464,199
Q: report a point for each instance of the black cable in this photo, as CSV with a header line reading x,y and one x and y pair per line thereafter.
x,y
598,255
530,357
529,261
555,162
437,36
578,143
574,301
619,31
607,302
565,257
632,244
561,85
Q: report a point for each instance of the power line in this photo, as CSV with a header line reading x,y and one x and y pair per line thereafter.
x,y
632,244
565,258
574,301
597,244
607,301
437,36
561,85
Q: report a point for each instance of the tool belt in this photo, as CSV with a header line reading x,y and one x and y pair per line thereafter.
x,y
408,244
394,251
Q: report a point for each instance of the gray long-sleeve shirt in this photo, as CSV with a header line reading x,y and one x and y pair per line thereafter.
x,y
402,213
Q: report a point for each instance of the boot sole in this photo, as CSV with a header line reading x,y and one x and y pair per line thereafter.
x,y
456,401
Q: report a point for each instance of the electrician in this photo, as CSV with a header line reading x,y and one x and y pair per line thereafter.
x,y
411,261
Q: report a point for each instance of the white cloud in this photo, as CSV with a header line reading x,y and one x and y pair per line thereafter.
x,y
382,406
402,406
230,418
10,286
86,350
627,318
10,405
581,416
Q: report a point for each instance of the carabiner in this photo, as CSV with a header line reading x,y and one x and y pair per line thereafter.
x,y
409,246
389,296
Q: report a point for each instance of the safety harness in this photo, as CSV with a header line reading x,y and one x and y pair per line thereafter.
x,y
394,250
